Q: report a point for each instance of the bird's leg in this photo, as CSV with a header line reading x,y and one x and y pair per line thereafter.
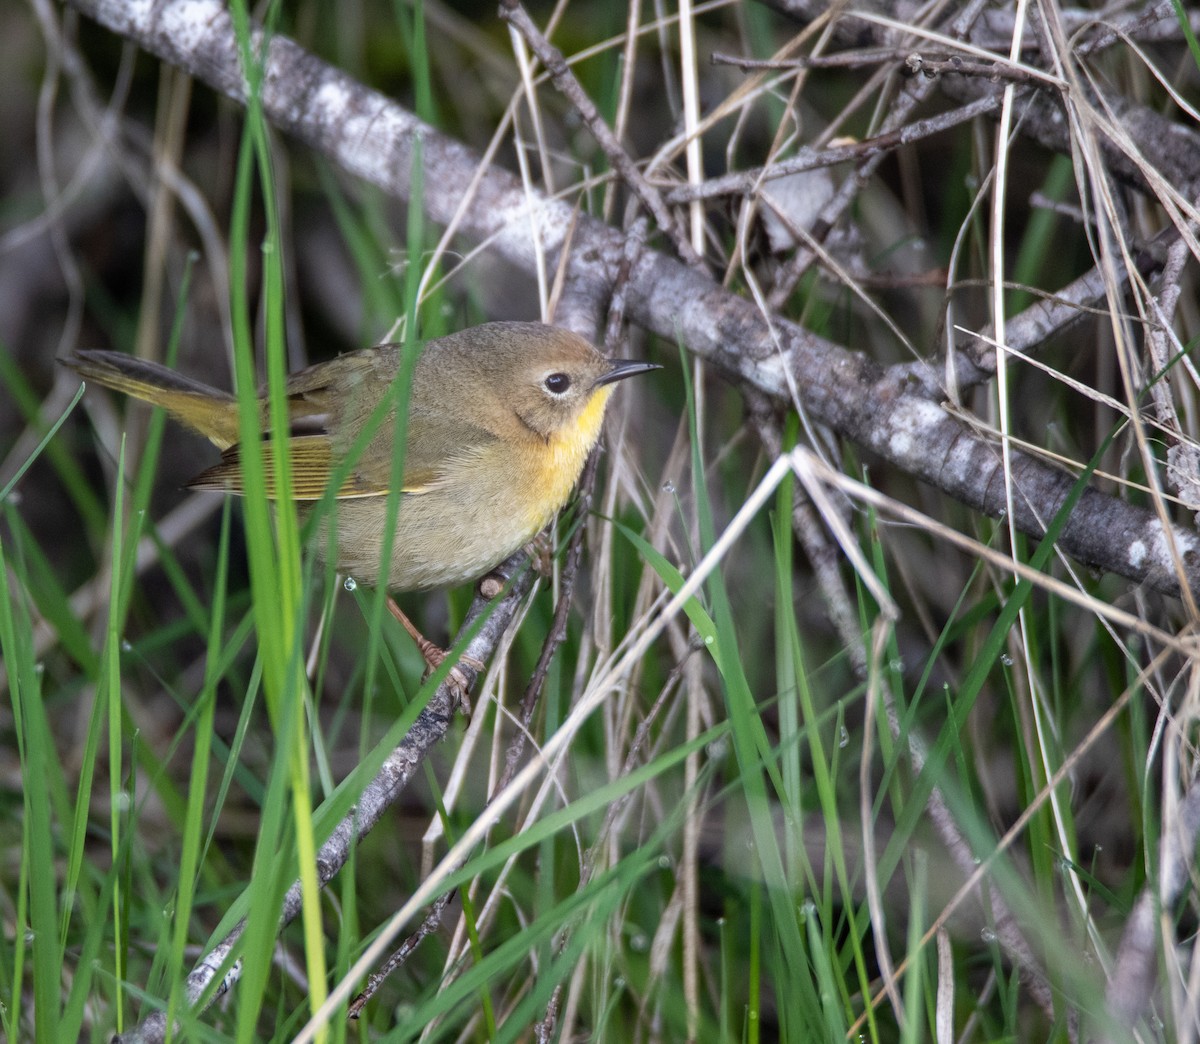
x,y
541,552
434,656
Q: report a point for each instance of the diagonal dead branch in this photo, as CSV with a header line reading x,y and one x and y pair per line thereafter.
x,y
372,137
377,797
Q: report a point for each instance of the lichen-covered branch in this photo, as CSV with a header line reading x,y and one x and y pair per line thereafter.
x,y
371,136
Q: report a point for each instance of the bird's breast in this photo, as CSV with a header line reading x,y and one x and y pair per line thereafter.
x,y
486,505
561,459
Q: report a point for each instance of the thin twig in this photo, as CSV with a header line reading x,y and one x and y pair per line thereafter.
x,y
913,63
806,158
931,68
635,241
1183,457
432,922
843,60
560,73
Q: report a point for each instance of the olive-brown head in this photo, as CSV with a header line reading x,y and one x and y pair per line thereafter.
x,y
521,379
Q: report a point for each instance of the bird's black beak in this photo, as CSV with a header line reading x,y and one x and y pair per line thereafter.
x,y
622,368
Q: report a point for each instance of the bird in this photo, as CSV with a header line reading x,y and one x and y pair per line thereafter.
x,y
501,420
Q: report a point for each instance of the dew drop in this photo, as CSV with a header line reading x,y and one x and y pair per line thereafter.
x,y
1006,660
716,750
988,936
843,737
350,584
668,486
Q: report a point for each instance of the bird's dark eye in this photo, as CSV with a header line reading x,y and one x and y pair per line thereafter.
x,y
557,383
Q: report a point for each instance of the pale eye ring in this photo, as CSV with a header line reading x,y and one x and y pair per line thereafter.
x,y
557,383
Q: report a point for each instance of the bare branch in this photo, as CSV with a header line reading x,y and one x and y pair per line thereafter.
x,y
807,158
492,618
371,136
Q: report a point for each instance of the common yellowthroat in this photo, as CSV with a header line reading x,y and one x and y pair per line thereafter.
x,y
501,418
